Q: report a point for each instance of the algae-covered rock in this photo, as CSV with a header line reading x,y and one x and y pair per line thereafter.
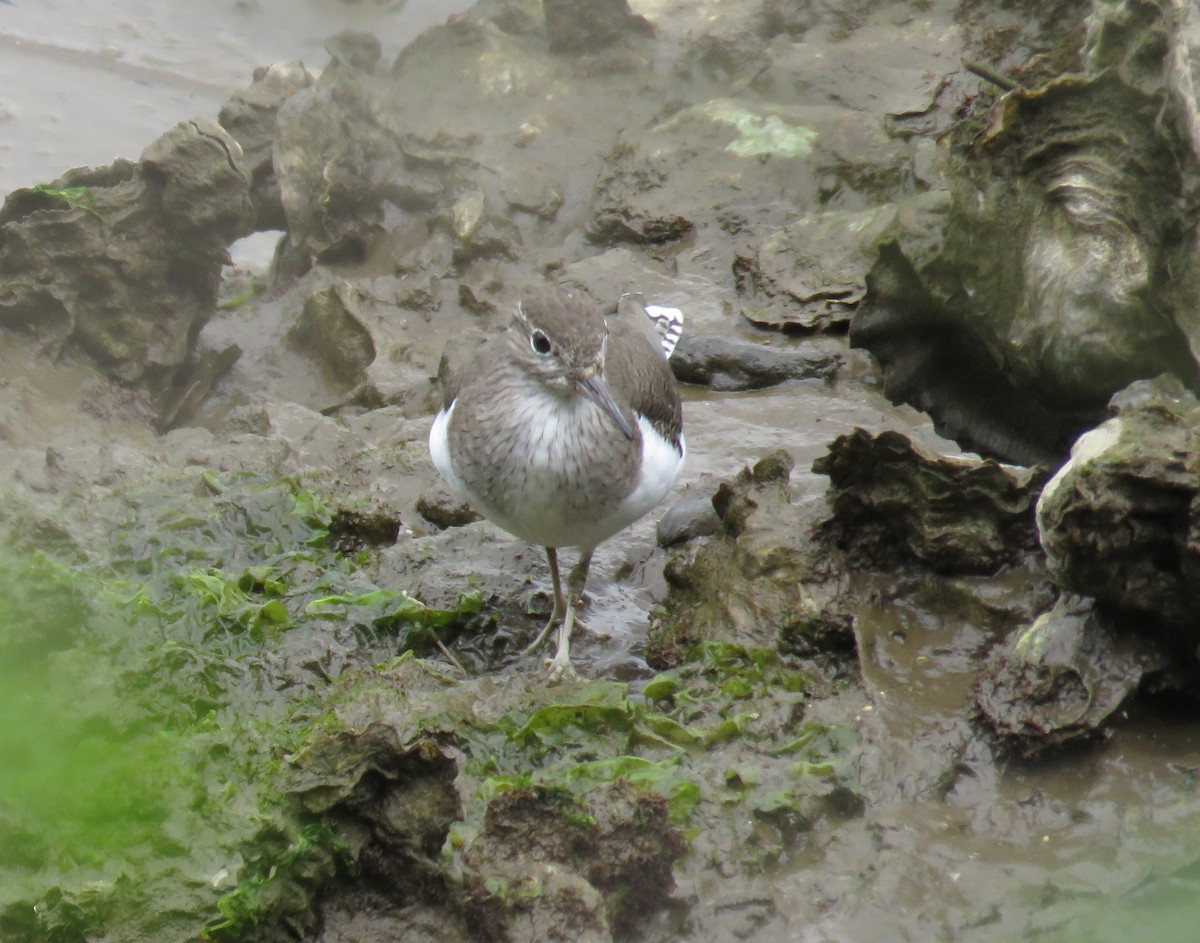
x,y
1121,520
391,802
893,501
761,580
548,865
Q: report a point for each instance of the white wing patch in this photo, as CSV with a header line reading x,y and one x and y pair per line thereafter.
x,y
668,322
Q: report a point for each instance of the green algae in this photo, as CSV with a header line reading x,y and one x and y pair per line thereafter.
x,y
146,698
760,135
76,198
661,740
153,697
316,848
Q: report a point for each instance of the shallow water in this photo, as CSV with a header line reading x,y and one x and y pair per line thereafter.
x,y
84,82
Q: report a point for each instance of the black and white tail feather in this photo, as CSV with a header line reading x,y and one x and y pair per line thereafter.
x,y
668,322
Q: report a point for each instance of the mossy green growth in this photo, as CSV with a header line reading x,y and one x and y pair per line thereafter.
x,y
92,787
760,134
599,734
662,740
147,695
76,198
313,858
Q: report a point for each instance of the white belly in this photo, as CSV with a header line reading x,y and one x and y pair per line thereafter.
x,y
539,489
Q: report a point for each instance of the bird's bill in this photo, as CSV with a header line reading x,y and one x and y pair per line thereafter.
x,y
595,389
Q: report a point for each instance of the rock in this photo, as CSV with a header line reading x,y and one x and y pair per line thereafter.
x,y
337,164
124,262
687,520
374,783
192,384
356,50
935,362
1097,220
250,116
811,274
331,331
724,364
580,26
761,581
443,509
548,865
546,902
1062,679
892,501
352,530
1121,520
1065,216
391,804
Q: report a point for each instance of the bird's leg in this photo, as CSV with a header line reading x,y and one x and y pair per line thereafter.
x,y
560,665
560,606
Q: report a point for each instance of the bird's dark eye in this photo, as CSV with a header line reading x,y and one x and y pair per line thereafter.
x,y
539,342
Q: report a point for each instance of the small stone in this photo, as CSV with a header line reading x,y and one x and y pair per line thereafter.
x,y
690,518
442,509
351,531
590,25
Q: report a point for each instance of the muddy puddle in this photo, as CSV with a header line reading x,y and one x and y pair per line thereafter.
x,y
830,770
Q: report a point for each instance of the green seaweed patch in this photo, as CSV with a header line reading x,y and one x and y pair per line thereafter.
x,y
762,134
312,859
656,740
99,801
243,297
149,691
76,198
510,893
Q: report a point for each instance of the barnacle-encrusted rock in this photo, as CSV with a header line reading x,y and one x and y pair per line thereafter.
x,y
1121,520
1061,679
545,859
760,581
892,502
1066,271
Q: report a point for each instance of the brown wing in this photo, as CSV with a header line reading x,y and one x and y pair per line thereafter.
x,y
639,374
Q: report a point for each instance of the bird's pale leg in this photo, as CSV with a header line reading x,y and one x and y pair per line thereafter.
x,y
560,665
560,606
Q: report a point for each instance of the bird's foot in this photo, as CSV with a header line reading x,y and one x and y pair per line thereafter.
x,y
559,669
555,621
549,627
